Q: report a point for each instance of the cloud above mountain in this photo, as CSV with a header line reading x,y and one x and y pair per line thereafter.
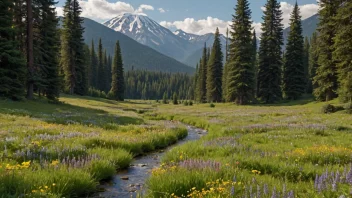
x,y
103,9
208,25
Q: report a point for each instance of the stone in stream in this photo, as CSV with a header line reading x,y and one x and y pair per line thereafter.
x,y
124,178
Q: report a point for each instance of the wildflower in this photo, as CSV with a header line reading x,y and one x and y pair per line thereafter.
x,y
54,184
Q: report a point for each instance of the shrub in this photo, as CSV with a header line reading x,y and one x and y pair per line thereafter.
x,y
212,105
191,103
185,103
328,108
348,108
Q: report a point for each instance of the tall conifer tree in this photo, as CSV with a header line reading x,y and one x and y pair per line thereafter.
x,y
240,82
343,50
313,59
270,55
202,77
326,74
294,81
255,60
93,74
118,83
101,68
12,64
306,65
214,71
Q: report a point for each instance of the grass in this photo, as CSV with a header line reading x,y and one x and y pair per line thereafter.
x,y
283,150
64,150
290,150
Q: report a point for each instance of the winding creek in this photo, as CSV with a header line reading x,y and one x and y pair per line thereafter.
x,y
130,182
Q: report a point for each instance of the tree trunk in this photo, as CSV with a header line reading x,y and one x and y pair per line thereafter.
x,y
30,59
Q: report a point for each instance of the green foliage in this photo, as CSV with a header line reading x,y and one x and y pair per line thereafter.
x,y
212,105
343,47
101,71
313,60
72,51
118,82
174,99
308,81
240,74
328,108
214,71
326,75
202,77
294,81
93,69
270,55
12,71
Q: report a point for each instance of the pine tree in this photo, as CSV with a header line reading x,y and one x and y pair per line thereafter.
x,y
47,58
12,64
214,71
101,68
343,48
107,72
72,53
255,60
240,82
118,82
270,55
29,47
294,82
202,77
93,67
306,65
326,74
165,98
196,76
313,59
174,99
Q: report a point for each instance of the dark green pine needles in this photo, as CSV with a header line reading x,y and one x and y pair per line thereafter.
x,y
118,84
294,82
214,71
326,74
240,66
270,55
12,64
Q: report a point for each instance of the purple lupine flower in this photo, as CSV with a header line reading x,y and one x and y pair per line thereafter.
x,y
274,195
266,190
258,191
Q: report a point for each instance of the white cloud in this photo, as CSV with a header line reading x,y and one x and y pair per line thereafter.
x,y
199,27
161,10
59,11
143,7
103,9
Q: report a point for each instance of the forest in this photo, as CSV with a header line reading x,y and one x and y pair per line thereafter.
x,y
263,119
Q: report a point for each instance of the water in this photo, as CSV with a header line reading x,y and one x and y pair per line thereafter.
x,y
130,182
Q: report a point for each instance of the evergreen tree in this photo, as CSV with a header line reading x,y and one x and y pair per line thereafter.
x,y
30,58
214,71
101,68
12,64
294,82
165,98
240,82
306,65
47,58
255,60
93,67
174,99
270,55
202,79
72,53
326,74
118,83
313,60
196,76
107,72
343,48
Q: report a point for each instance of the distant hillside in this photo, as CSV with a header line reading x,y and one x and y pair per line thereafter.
x,y
134,54
309,26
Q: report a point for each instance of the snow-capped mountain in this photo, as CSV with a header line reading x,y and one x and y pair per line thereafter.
x,y
148,32
179,44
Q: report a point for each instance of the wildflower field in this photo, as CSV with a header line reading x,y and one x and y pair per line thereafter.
x,y
285,150
64,150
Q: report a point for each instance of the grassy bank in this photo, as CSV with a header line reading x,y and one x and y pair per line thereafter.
x,y
283,150
64,150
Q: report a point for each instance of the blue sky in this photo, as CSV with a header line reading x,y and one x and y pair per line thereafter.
x,y
170,11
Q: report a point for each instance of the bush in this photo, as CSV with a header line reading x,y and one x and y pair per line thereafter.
x,y
190,103
185,103
348,108
329,108
212,105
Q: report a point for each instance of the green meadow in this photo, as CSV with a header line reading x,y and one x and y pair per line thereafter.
x,y
283,150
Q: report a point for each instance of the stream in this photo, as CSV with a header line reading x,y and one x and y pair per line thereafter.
x,y
130,182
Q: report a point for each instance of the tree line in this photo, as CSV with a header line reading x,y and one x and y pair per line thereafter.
x,y
321,66
38,57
